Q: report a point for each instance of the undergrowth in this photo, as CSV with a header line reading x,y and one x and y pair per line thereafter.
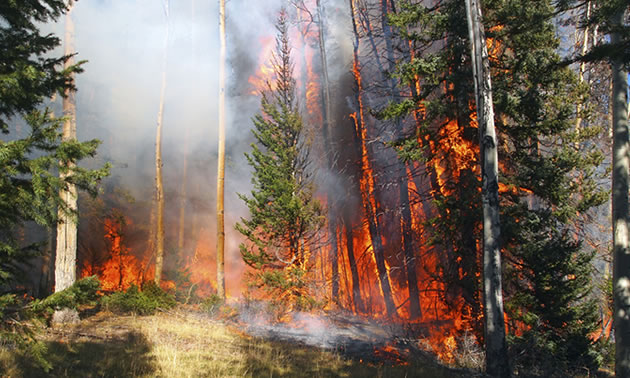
x,y
21,321
141,302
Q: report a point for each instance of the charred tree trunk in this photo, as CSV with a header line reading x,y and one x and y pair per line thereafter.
x,y
367,194
496,350
329,151
405,207
66,251
620,187
354,271
221,161
159,187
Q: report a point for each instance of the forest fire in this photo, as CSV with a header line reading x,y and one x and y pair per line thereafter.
x,y
369,261
265,73
393,179
121,269
202,265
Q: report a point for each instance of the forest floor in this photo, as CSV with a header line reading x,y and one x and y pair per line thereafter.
x,y
185,343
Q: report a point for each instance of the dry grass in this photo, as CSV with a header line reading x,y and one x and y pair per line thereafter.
x,y
182,344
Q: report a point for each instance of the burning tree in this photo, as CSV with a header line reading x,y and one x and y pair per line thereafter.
x,y
285,216
546,182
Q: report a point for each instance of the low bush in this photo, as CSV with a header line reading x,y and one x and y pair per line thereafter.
x,y
142,302
20,320
82,292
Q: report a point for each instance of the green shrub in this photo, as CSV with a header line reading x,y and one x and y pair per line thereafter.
x,y
142,302
82,292
19,320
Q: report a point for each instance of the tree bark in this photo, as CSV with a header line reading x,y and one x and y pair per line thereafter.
x,y
221,160
415,310
368,198
159,187
496,350
354,271
578,118
620,186
66,251
329,151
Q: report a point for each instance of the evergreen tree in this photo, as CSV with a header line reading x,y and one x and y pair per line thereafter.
x,y
30,159
546,174
284,216
611,17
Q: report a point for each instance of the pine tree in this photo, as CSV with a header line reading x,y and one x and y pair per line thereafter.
x,y
611,17
546,177
284,216
29,161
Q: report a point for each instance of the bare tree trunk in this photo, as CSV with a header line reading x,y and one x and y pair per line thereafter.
x,y
329,151
159,187
620,186
415,310
66,251
496,351
578,118
354,271
369,202
221,162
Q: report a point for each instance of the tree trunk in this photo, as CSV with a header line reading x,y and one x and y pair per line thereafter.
x,y
621,252
221,161
159,187
578,118
354,271
48,266
496,350
329,151
368,197
415,311
66,251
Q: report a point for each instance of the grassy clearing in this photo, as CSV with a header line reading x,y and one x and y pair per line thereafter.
x,y
181,344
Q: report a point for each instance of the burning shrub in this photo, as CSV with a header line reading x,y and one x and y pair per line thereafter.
x,y
287,290
142,302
